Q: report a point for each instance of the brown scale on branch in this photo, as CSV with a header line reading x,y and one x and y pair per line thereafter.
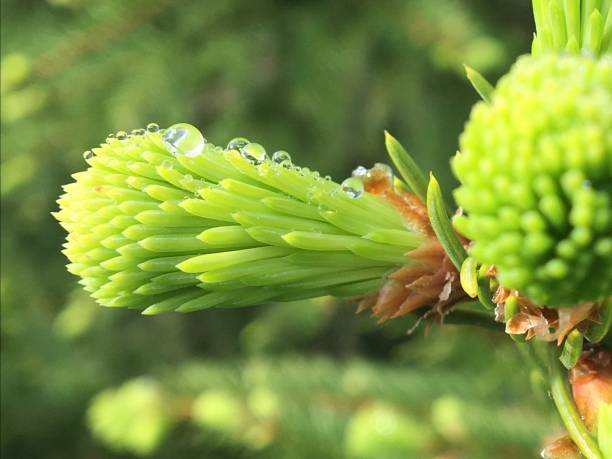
x,y
547,324
561,448
431,281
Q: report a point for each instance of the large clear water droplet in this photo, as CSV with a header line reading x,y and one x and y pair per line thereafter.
x,y
254,153
353,187
187,180
360,172
184,139
283,158
88,154
280,156
121,135
152,127
237,143
167,164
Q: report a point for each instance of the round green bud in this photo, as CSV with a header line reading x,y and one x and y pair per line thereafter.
x,y
379,429
164,220
221,411
134,417
535,167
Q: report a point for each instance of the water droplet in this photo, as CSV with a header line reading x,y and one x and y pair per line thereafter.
x,y
353,187
152,127
138,132
360,172
237,143
188,181
254,153
121,135
110,137
88,154
282,157
199,185
184,139
327,178
167,164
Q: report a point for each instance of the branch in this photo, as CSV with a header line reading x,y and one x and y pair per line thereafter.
x,y
567,409
464,315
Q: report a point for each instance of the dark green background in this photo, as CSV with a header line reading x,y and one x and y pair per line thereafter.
x,y
321,79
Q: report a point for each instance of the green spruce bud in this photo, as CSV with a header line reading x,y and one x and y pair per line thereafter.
x,y
572,26
163,220
535,168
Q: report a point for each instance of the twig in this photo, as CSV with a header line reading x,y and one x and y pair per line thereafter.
x,y
567,409
460,316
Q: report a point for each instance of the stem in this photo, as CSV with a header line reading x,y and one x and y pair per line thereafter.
x,y
567,409
465,316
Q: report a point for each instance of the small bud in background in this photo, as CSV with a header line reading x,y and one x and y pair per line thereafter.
x,y
380,430
220,411
134,417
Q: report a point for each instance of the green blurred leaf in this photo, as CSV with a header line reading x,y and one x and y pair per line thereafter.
x,y
480,83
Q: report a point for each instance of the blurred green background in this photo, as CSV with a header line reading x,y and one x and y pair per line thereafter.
x,y
310,379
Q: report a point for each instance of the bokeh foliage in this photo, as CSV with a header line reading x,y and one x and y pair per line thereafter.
x,y
319,79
